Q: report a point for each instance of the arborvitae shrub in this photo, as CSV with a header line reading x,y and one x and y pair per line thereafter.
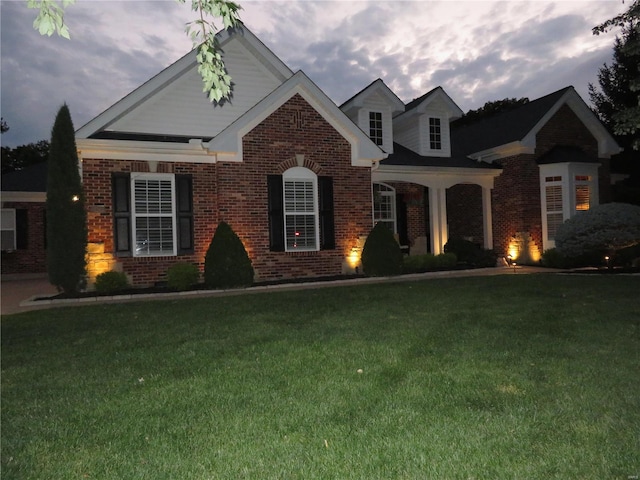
x,y
181,276
108,282
66,216
227,264
381,255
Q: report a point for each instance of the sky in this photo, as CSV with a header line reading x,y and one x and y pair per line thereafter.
x,y
478,51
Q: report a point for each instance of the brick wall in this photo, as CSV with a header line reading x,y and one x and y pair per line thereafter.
x,y
97,186
464,212
271,148
32,259
237,194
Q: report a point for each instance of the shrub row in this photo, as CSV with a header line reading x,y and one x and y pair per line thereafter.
x,y
428,262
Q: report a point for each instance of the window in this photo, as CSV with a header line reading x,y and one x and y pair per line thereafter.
x,y
384,205
582,192
291,212
153,213
300,209
435,134
8,229
555,216
375,127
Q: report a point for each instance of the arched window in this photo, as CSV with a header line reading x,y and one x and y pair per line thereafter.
x,y
384,205
300,189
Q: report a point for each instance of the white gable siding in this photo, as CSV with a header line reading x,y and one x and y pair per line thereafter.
x,y
407,134
182,108
375,103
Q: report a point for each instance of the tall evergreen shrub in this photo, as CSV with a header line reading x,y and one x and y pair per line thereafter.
x,y
66,216
227,264
381,254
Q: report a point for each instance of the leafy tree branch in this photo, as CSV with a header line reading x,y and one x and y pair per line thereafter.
x,y
202,31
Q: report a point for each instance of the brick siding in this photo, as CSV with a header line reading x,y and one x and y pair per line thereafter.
x,y
237,194
32,259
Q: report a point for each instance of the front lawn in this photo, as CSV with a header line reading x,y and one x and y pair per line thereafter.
x,y
506,377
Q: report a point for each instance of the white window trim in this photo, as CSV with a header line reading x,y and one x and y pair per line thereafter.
x,y
440,133
7,228
305,175
382,129
134,215
391,194
568,172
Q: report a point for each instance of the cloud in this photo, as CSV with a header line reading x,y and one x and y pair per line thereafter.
x,y
477,51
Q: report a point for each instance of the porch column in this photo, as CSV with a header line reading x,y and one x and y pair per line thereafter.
x,y
487,225
438,219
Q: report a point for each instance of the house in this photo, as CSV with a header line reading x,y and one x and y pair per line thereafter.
x,y
302,181
23,221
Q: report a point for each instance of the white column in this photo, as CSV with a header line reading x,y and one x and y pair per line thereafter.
x,y
438,219
487,225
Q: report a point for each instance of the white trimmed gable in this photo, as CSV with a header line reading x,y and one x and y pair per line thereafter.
x,y
376,103
172,103
228,144
424,127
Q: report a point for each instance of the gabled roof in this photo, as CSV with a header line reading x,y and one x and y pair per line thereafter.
x,y
268,63
514,131
228,144
403,156
421,104
30,179
376,87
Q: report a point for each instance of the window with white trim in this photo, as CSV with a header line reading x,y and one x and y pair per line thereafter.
x,y
153,214
553,199
384,205
300,189
435,133
375,127
8,229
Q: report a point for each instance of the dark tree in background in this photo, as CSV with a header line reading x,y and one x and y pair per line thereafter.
x,y
66,216
617,101
3,126
24,156
491,108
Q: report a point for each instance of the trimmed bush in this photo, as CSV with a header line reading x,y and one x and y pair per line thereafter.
x,y
604,229
470,253
181,276
108,282
381,254
428,261
227,264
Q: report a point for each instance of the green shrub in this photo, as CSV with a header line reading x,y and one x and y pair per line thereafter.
x,y
227,264
111,282
381,254
428,261
602,230
182,276
448,260
552,258
470,253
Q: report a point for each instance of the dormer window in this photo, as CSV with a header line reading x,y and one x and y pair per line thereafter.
x,y
375,127
435,134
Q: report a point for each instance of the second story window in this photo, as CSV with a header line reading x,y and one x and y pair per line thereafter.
x,y
375,127
435,134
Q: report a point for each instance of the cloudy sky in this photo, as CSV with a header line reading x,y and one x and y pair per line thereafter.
x,y
476,50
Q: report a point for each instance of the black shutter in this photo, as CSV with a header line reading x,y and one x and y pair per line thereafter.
x,y
276,213
327,229
121,189
184,213
22,229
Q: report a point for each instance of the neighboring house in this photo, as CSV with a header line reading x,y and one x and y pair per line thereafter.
x,y
302,182
23,220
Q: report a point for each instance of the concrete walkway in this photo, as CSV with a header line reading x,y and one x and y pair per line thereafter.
x,y
19,292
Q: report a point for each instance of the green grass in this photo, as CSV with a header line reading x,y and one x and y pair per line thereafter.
x,y
509,377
